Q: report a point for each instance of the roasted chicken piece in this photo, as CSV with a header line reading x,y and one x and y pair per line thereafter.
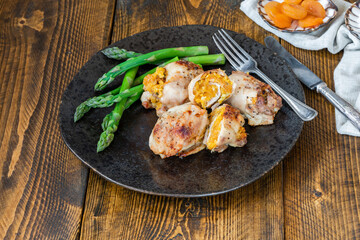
x,y
226,128
210,89
167,87
179,131
255,99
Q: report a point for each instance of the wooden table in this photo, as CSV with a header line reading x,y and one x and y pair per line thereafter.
x,y
47,193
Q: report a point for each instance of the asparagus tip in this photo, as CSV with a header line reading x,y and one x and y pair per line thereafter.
x,y
104,141
80,111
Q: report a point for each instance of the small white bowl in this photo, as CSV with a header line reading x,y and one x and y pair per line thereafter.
x,y
352,19
330,8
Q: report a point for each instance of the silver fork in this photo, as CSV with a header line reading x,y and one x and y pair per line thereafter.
x,y
240,60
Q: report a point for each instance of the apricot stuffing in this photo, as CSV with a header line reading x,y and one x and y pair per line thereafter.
x,y
314,8
279,19
310,21
293,11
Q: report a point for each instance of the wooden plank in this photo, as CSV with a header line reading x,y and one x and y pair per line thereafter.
x,y
42,45
321,180
253,212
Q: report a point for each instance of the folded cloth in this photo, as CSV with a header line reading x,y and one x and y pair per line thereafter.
x,y
334,37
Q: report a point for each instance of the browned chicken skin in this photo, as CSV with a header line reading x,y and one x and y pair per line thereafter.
x,y
255,99
179,131
168,86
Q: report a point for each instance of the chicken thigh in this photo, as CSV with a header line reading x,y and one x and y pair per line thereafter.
x,y
168,86
179,131
226,128
255,99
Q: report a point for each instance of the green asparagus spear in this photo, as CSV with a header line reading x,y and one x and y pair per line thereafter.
x,y
111,121
84,108
126,84
110,100
213,59
132,99
148,58
122,54
119,54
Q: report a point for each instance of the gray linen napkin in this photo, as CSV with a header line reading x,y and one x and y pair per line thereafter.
x,y
334,37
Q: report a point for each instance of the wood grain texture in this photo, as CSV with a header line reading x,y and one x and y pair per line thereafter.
x,y
43,44
321,176
313,194
253,212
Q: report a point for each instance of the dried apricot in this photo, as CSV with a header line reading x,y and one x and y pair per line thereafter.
x,y
314,8
293,11
281,20
274,12
272,8
310,21
293,1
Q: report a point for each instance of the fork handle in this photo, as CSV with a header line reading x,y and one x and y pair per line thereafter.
x,y
305,112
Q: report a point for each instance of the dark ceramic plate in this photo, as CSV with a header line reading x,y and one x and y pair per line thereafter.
x,y
129,162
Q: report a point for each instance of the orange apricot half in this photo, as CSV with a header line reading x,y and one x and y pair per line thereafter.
x,y
314,8
272,8
293,11
310,21
279,19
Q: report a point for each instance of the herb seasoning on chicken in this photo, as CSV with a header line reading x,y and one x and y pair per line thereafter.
x,y
179,131
167,87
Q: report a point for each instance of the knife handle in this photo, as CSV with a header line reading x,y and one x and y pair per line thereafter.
x,y
344,107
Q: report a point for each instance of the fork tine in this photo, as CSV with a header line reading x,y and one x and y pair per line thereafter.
x,y
236,61
247,55
240,54
240,61
232,62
